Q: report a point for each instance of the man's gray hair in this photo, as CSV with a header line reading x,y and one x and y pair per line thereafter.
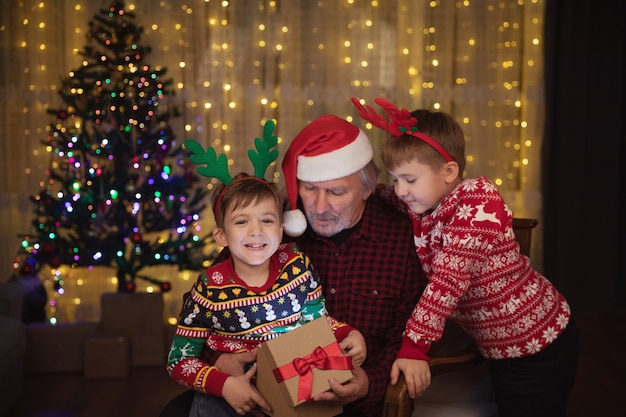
x,y
369,176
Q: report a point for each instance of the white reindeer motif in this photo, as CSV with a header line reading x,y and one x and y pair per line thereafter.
x,y
482,216
466,241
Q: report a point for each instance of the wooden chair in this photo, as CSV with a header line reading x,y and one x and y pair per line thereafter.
x,y
397,401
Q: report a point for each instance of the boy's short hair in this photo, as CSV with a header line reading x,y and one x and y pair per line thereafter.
x,y
243,191
438,125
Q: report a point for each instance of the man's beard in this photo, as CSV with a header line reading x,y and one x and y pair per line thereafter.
x,y
338,223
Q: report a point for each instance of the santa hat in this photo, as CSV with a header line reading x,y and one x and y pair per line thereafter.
x,y
328,148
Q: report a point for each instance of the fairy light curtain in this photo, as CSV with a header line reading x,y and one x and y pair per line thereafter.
x,y
237,63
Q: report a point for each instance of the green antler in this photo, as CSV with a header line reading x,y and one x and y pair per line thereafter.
x,y
264,155
216,167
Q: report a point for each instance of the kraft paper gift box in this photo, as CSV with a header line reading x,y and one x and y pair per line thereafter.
x,y
140,318
297,365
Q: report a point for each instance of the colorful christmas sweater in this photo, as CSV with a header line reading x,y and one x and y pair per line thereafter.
x,y
478,278
226,315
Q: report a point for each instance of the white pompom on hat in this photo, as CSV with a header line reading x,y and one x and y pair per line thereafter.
x,y
327,149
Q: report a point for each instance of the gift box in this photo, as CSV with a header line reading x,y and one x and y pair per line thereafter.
x,y
107,357
297,365
139,317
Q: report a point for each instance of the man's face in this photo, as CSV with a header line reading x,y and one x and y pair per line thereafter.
x,y
332,206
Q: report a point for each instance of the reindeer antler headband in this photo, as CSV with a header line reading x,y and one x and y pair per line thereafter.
x,y
400,123
217,166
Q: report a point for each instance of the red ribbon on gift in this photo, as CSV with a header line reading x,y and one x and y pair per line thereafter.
x,y
324,358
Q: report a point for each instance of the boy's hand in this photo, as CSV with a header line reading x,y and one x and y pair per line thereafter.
x,y
416,374
241,395
354,345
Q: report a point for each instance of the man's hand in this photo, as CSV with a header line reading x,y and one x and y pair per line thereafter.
x,y
241,395
354,389
416,374
235,363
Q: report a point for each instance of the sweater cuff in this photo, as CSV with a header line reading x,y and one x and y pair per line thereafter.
x,y
414,350
342,332
216,384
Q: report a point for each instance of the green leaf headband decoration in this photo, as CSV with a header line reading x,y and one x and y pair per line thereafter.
x,y
217,166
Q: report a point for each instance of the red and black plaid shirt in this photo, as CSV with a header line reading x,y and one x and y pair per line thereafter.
x,y
372,281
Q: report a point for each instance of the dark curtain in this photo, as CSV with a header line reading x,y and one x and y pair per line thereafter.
x,y
584,153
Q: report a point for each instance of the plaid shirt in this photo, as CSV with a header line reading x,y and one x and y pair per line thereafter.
x,y
371,281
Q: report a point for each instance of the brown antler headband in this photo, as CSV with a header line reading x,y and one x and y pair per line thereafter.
x,y
400,123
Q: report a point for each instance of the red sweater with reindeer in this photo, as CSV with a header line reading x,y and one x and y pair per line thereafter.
x,y
478,278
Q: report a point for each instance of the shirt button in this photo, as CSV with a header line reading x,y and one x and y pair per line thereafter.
x,y
336,254
375,292
333,291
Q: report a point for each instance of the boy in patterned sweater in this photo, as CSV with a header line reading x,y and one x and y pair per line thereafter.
x,y
476,274
261,291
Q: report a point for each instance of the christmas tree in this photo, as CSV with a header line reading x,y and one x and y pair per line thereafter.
x,y
120,190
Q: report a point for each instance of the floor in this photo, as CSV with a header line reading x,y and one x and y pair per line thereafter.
x,y
599,390
142,394
600,385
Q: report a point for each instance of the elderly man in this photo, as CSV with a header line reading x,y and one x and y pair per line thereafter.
x,y
362,248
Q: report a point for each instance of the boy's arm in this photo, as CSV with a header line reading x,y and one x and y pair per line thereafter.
x,y
185,362
185,365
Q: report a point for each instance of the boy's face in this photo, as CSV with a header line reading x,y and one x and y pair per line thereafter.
x,y
420,186
251,233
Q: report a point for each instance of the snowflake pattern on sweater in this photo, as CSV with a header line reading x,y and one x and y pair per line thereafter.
x,y
226,315
478,278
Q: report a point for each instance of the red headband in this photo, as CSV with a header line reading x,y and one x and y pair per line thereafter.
x,y
400,123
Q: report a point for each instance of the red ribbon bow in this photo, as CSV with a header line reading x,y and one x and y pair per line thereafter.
x,y
322,358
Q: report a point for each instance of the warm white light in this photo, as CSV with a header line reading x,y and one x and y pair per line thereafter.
x,y
218,87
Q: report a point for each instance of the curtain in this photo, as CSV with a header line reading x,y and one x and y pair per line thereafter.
x,y
584,152
235,64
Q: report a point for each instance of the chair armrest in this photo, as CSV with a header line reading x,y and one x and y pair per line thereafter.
x,y
447,363
397,401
